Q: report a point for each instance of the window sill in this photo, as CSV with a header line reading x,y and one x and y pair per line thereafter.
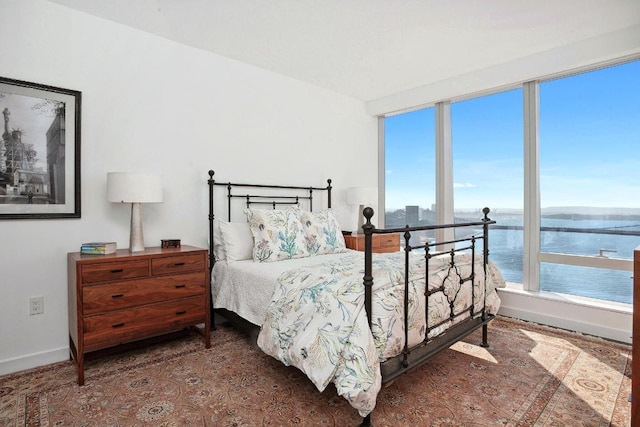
x,y
606,319
570,299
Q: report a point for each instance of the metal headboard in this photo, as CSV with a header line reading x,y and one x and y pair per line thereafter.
x,y
292,195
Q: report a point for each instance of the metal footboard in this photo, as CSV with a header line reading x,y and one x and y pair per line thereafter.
x,y
414,356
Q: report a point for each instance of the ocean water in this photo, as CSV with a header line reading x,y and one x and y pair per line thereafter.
x,y
505,249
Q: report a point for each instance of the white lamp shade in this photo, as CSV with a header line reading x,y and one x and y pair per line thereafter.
x,y
362,195
127,187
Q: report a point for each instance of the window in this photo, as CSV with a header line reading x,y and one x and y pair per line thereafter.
x,y
588,130
486,134
409,168
589,199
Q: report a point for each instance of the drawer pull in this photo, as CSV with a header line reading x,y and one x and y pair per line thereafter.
x,y
117,296
117,270
178,313
178,264
118,325
181,286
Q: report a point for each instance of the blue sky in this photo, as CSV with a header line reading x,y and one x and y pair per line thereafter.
x,y
589,146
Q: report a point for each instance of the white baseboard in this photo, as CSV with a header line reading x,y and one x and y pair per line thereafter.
x,y
612,321
34,360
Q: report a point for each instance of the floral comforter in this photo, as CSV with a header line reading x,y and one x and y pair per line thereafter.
x,y
317,322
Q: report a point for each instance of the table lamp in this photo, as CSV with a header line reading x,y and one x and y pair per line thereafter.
x,y
134,188
361,197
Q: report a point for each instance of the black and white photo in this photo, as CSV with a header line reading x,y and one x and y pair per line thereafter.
x,y
39,151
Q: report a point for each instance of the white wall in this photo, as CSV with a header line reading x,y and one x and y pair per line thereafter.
x,y
152,105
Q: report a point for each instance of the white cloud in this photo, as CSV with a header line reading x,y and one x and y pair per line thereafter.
x,y
463,185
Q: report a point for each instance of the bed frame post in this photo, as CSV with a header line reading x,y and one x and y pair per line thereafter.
x,y
329,193
212,257
368,277
485,231
485,260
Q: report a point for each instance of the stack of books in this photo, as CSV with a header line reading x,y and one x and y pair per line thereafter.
x,y
98,248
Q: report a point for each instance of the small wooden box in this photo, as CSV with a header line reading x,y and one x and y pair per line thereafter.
x,y
170,243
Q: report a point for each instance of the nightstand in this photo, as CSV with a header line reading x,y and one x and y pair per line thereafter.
x,y
379,243
126,297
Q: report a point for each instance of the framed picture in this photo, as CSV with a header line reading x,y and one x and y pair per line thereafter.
x,y
39,151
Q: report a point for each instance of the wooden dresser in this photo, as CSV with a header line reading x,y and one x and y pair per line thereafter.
x,y
635,353
124,297
380,242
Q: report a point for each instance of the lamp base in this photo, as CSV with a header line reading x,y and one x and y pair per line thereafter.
x,y
136,239
360,221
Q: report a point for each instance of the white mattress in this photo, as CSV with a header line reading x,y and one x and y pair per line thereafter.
x,y
246,287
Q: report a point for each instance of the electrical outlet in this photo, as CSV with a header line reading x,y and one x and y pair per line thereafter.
x,y
36,305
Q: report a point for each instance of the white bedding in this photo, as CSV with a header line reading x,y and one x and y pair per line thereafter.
x,y
245,287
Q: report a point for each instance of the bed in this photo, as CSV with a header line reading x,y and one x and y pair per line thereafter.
x,y
354,319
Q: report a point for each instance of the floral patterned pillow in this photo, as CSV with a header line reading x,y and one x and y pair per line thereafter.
x,y
323,233
277,234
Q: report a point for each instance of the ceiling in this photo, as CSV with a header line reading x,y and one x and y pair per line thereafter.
x,y
369,49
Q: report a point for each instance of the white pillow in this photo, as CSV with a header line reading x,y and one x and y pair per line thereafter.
x,y
237,240
218,244
322,232
277,234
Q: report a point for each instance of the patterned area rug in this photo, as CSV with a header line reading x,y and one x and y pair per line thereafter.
x,y
530,376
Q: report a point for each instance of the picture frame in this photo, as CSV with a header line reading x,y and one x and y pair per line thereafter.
x,y
39,151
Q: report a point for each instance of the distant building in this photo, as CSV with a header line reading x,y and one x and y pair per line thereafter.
x,y
413,214
56,158
32,181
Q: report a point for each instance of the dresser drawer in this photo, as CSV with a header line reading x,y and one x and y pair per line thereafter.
x,y
177,264
386,243
115,296
379,242
127,325
109,271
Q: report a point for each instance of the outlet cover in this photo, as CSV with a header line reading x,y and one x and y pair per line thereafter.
x,y
36,305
